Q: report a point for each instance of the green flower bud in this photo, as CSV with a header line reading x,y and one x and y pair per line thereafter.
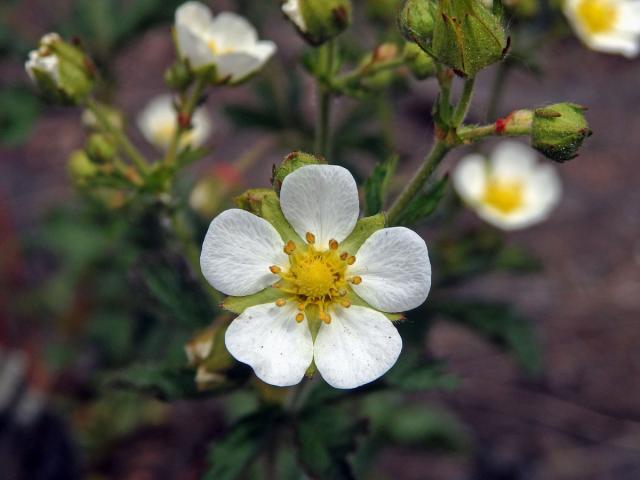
x,y
559,130
178,76
100,148
421,64
252,200
417,21
291,163
467,36
62,71
80,168
318,20
384,10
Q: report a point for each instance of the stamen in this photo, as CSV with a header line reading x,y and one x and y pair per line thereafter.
x,y
351,260
301,307
356,280
333,244
325,317
345,303
344,255
299,317
290,247
275,269
281,302
311,238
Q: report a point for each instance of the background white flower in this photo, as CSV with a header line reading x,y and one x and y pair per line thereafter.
x,y
610,26
511,190
291,8
158,122
228,40
355,344
48,64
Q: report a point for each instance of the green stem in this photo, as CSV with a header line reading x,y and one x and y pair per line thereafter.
x,y
367,71
121,139
431,162
461,110
323,135
187,110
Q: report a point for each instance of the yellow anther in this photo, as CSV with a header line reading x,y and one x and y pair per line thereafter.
x,y
299,317
290,247
333,244
325,317
311,238
275,269
281,302
356,280
345,303
301,307
351,260
344,255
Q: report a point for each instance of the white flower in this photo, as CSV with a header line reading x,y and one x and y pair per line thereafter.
x,y
244,254
291,8
229,41
512,190
158,122
610,26
44,62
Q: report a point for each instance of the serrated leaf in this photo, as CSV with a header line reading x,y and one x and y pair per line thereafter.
x,y
425,204
233,454
375,188
240,304
501,325
325,436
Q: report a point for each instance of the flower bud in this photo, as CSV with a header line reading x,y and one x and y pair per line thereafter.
x,y
80,168
291,163
417,21
100,148
61,71
318,20
467,36
559,130
178,76
421,64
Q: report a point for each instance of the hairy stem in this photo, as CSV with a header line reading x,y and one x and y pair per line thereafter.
x,y
461,110
323,134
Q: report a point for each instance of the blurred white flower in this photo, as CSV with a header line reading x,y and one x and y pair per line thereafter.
x,y
313,318
610,26
43,60
158,123
227,41
511,190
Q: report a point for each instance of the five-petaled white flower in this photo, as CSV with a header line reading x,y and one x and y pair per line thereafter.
x,y
315,315
158,122
511,190
43,60
610,26
227,41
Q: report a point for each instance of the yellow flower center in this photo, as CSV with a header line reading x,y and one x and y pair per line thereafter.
x,y
216,50
504,196
163,133
315,277
597,16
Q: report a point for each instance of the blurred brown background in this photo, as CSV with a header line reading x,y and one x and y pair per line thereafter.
x,y
582,421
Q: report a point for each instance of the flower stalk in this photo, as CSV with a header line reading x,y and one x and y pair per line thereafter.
x,y
323,134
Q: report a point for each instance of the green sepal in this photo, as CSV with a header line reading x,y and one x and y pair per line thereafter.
x,y
240,304
312,312
376,186
363,230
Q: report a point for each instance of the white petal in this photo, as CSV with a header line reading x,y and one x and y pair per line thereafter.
x,y
232,32
291,8
269,339
395,270
357,347
45,63
512,160
236,66
470,178
157,121
202,128
321,199
237,252
193,21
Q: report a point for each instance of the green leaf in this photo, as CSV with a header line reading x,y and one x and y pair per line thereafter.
x,y
166,383
363,230
232,455
19,109
375,188
325,436
411,373
424,204
240,304
502,326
